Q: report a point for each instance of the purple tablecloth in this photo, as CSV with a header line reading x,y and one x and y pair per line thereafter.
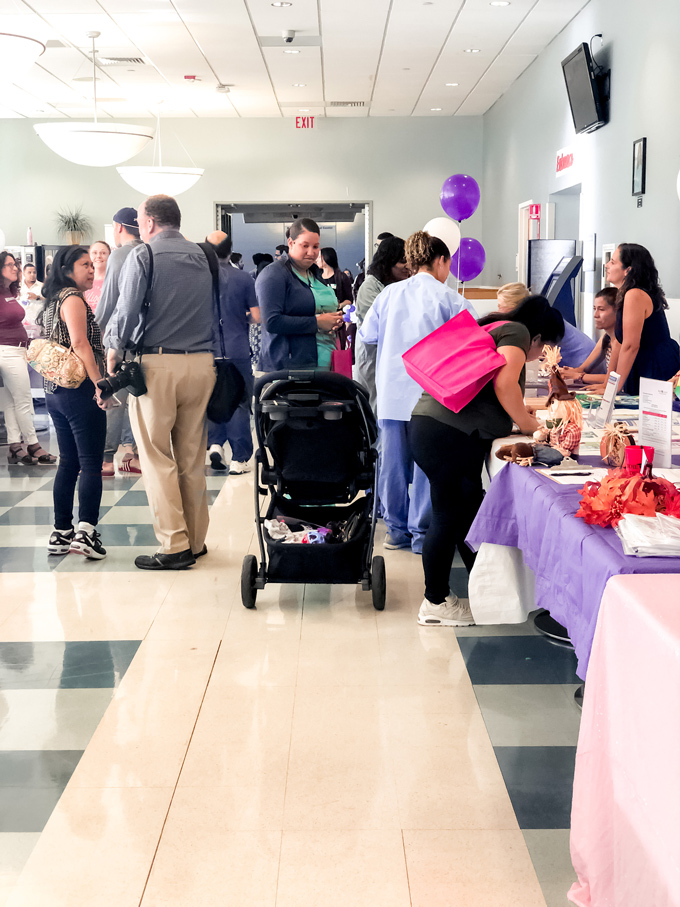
x,y
572,561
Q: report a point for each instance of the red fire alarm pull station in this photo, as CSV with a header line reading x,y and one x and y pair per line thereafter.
x,y
304,122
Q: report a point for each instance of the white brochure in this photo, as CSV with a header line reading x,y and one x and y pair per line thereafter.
x,y
604,413
656,418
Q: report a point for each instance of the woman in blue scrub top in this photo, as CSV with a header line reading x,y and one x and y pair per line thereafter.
x,y
402,314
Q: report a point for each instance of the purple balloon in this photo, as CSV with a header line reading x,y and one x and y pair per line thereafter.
x,y
460,196
468,260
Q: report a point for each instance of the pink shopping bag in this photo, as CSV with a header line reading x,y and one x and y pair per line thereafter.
x,y
341,360
454,362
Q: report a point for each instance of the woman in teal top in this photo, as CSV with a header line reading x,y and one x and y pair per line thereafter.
x,y
325,302
299,311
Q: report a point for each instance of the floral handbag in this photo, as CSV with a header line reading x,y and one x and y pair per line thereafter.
x,y
55,362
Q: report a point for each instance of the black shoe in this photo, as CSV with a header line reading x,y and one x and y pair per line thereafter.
x,y
160,561
216,462
88,543
204,550
60,542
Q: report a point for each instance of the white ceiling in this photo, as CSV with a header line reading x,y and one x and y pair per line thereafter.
x,y
395,56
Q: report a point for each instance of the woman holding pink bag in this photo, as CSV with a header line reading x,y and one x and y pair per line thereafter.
x,y
450,448
402,314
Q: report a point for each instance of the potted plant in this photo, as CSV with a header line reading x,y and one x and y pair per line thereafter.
x,y
73,226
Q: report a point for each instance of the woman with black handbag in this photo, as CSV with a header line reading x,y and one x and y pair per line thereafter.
x,y
77,412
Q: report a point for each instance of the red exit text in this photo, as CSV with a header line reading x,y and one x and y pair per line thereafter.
x,y
304,122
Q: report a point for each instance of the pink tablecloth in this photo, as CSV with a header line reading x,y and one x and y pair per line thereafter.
x,y
625,827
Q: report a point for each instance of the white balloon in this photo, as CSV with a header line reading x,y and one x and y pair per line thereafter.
x,y
2,240
446,229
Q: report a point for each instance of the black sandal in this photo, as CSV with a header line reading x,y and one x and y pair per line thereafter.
x,y
18,455
42,456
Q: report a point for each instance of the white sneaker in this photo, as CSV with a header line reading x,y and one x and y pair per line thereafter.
x,y
215,454
451,613
238,468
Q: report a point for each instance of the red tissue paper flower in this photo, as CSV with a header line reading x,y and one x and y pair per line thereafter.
x,y
604,503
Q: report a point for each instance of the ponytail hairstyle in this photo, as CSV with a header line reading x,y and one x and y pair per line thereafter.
x,y
61,275
422,249
302,225
537,316
643,274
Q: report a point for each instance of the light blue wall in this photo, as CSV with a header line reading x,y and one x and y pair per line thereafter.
x,y
524,130
398,164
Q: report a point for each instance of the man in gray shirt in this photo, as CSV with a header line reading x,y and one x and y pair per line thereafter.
x,y
176,340
126,237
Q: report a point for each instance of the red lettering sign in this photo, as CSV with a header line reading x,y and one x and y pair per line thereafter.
x,y
564,161
304,122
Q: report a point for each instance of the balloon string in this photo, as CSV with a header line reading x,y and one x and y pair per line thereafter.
x,y
458,274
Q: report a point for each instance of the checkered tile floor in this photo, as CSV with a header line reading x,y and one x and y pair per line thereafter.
x,y
26,516
524,685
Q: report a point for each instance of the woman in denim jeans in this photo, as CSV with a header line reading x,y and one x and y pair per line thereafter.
x,y
77,413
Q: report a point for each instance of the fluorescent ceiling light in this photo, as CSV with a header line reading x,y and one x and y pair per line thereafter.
x,y
291,51
452,85
281,3
471,50
434,109
499,3
299,84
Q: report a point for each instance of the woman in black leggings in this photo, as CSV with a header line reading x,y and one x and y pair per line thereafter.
x,y
451,448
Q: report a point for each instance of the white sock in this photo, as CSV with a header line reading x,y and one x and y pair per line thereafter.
x,y
215,448
85,527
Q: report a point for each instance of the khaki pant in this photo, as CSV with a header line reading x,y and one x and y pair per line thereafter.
x,y
170,428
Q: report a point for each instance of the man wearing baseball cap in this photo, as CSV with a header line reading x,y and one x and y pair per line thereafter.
x,y
126,237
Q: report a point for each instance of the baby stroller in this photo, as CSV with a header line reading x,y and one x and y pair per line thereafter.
x,y
316,438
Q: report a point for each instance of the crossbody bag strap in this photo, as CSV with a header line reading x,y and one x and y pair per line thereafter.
x,y
63,295
213,264
146,302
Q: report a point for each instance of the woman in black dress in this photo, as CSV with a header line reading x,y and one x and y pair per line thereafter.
x,y
644,347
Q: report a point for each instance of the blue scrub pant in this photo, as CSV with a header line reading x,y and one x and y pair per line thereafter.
x,y
237,430
406,511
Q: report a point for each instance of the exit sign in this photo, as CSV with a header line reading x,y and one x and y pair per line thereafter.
x,y
304,122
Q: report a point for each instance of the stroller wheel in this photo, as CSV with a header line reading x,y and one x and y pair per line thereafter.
x,y
248,574
378,583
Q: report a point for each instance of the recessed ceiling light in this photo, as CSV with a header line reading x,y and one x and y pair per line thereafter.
x,y
281,3
471,50
303,109
299,84
493,3
434,109
291,51
452,85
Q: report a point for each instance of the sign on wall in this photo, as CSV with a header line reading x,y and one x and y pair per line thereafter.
x,y
564,165
304,122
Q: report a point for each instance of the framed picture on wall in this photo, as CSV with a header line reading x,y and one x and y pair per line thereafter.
x,y
639,166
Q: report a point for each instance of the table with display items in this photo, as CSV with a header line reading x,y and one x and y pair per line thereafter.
x,y
537,554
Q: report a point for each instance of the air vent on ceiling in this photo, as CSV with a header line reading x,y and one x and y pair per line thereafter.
x,y
347,104
121,61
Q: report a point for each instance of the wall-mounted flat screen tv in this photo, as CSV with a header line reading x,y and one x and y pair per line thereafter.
x,y
583,91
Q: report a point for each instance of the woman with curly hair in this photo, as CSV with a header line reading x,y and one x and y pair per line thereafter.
x,y
405,312
644,347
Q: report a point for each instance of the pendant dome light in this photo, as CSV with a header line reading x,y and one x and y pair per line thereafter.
x,y
157,180
94,144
